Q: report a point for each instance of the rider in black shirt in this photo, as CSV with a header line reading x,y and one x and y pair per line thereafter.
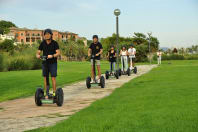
x,y
95,49
50,49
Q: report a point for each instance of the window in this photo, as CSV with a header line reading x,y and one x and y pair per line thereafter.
x,y
22,40
33,39
21,34
33,34
27,39
38,34
27,34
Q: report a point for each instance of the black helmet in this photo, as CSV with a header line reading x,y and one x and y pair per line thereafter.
x,y
95,36
48,31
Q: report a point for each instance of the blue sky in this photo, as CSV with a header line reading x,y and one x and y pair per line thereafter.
x,y
174,22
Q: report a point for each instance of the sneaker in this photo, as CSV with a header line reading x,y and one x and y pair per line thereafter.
x,y
92,81
54,94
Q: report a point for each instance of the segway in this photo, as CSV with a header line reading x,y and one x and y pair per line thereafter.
x,y
111,74
134,70
95,83
128,72
39,95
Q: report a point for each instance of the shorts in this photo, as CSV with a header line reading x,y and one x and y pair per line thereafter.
x,y
132,57
49,68
97,62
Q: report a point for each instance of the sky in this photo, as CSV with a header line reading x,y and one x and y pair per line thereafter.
x,y
173,22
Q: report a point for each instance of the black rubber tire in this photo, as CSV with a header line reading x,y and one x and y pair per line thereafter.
x,y
135,70
59,97
88,82
102,82
38,96
117,74
107,74
128,72
120,72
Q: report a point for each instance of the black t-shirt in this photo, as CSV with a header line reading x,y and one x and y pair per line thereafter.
x,y
112,57
49,49
95,49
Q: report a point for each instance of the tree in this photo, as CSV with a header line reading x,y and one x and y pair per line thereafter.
x,y
7,45
5,25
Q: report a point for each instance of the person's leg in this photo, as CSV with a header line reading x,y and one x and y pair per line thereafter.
x,y
53,72
114,69
131,61
54,84
98,68
92,70
125,63
122,67
111,67
158,60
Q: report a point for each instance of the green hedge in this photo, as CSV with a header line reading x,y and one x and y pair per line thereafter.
x,y
177,57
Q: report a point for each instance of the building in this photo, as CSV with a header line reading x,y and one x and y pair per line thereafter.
x,y
29,36
6,36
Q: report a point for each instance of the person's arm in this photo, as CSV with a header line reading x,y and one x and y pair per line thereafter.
x,y
108,55
89,52
38,54
57,53
115,55
100,53
120,52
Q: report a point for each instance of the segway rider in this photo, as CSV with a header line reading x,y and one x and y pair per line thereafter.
x,y
112,59
50,48
95,49
159,57
124,59
132,52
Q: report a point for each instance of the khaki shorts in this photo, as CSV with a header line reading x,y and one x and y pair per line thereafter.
x,y
97,62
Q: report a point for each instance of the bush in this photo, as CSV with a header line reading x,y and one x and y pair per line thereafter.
x,y
1,62
177,57
18,63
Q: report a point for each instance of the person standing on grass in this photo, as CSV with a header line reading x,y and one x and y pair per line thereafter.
x,y
95,50
159,57
112,59
124,59
132,52
50,48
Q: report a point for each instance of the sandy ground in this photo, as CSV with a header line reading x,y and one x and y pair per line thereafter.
x,y
22,114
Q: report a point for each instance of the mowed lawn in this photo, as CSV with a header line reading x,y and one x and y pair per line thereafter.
x,y
164,100
16,84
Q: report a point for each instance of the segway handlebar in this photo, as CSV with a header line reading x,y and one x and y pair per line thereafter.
x,y
43,58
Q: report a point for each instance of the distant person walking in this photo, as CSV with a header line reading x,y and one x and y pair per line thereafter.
x,y
159,57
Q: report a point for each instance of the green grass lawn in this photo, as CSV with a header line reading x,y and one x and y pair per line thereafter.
x,y
164,100
17,84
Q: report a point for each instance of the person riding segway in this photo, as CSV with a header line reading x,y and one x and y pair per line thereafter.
x,y
131,53
124,61
50,49
112,61
94,51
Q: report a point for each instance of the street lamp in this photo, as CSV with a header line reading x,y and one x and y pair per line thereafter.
x,y
117,13
149,34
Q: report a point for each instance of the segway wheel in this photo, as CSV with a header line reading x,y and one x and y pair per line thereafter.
x,y
117,74
120,72
128,72
107,74
59,97
88,82
102,82
38,96
135,70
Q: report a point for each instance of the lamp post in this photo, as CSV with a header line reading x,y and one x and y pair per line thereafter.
x,y
149,34
117,13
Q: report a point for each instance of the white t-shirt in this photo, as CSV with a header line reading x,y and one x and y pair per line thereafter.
x,y
132,52
159,54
